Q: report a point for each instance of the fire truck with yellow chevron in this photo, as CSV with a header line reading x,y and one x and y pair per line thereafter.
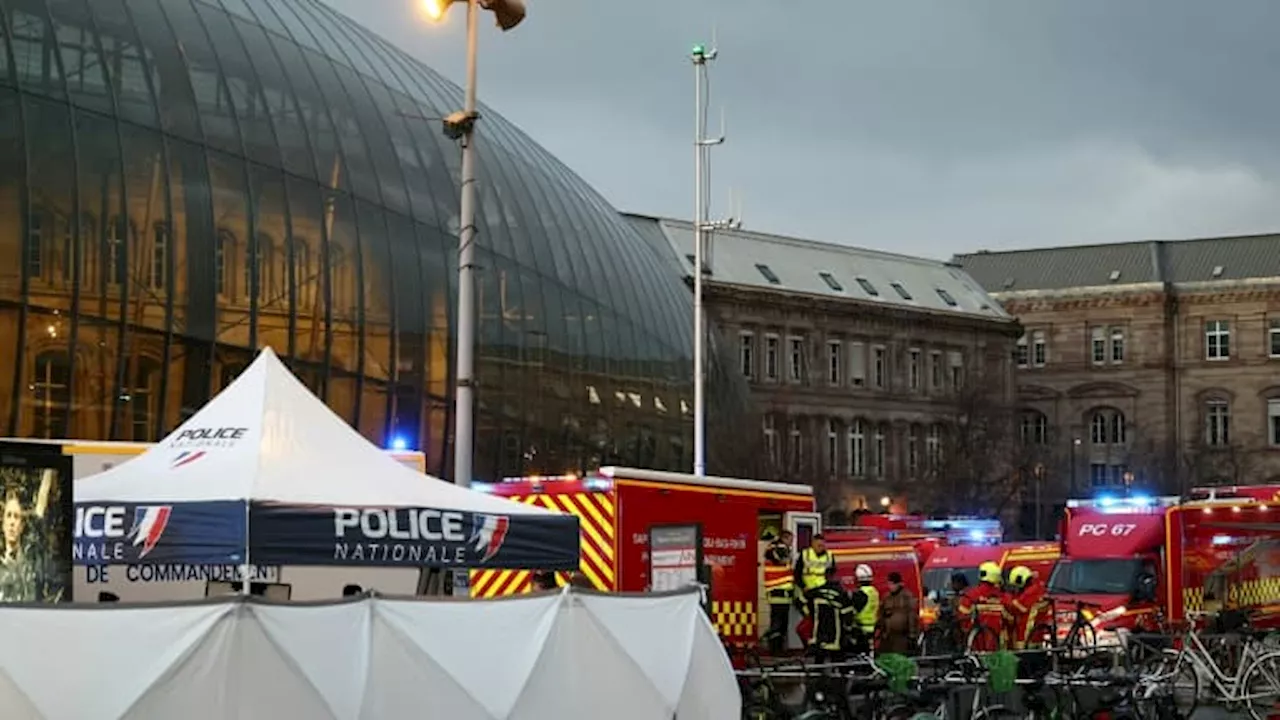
x,y
1127,560
619,507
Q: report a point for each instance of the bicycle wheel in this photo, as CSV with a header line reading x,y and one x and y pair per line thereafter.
x,y
1043,637
996,712
1261,686
1081,636
937,641
1168,686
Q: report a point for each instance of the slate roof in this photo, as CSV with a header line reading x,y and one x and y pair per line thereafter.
x,y
776,262
1249,257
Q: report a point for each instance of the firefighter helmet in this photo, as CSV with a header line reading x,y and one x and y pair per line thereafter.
x,y
862,573
989,572
1020,576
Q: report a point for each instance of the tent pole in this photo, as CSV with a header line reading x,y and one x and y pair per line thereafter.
x,y
248,566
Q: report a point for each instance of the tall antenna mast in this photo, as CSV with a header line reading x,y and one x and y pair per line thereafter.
x,y
702,226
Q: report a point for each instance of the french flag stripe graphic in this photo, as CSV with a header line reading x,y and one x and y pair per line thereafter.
x,y
150,528
187,457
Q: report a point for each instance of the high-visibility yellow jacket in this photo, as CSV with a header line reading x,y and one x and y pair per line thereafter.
x,y
812,568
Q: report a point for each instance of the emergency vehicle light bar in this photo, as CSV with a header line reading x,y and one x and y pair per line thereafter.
x,y
662,476
1123,504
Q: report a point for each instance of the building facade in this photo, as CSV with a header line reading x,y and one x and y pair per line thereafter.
x,y
858,361
185,181
1154,364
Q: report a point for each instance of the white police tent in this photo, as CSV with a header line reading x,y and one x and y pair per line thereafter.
x,y
569,654
266,474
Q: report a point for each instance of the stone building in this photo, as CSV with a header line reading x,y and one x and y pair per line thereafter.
x,y
857,360
1154,363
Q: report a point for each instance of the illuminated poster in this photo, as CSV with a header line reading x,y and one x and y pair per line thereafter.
x,y
675,554
35,565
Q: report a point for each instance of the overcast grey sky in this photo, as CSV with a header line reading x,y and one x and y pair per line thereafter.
x,y
926,127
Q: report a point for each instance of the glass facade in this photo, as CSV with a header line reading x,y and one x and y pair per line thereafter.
x,y
182,181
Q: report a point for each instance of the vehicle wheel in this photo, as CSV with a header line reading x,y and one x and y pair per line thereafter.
x,y
1167,687
1261,685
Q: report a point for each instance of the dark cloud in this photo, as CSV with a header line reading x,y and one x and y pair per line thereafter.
x,y
925,127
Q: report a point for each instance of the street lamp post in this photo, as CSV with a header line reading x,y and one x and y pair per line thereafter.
x,y
460,126
701,226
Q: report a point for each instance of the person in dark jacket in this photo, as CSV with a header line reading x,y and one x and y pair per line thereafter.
x,y
832,612
899,617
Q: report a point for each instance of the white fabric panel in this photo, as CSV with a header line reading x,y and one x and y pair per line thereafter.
x,y
195,689
330,645
568,655
294,450
40,649
655,632
710,687
14,703
447,633
405,682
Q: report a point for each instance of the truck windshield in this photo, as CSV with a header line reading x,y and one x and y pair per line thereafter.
x,y
1095,577
939,579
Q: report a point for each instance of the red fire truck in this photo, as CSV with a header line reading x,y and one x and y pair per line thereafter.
x,y
619,507
1205,555
965,559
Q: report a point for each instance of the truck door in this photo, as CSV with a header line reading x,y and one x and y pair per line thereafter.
x,y
803,526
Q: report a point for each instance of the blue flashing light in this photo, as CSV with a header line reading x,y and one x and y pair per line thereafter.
x,y
1106,501
976,535
1140,500
399,443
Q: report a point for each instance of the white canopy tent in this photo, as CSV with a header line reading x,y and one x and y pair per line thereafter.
x,y
571,654
266,440
294,449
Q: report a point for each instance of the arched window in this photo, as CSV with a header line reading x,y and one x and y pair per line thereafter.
x,y
1217,422
302,278
1033,427
223,260
913,450
259,257
770,426
878,454
35,245
158,267
833,447
1107,427
117,268
51,391
857,460
797,445
144,399
338,275
933,446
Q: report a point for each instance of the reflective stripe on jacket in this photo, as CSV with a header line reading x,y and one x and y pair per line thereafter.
x,y
869,615
814,568
778,584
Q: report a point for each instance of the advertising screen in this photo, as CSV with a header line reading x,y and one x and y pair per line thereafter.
x,y
35,526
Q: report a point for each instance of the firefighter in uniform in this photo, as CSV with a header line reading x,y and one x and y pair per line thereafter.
x,y
1028,607
812,569
866,610
833,616
780,589
985,600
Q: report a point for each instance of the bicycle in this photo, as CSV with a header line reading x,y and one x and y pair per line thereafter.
x,y
1253,683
